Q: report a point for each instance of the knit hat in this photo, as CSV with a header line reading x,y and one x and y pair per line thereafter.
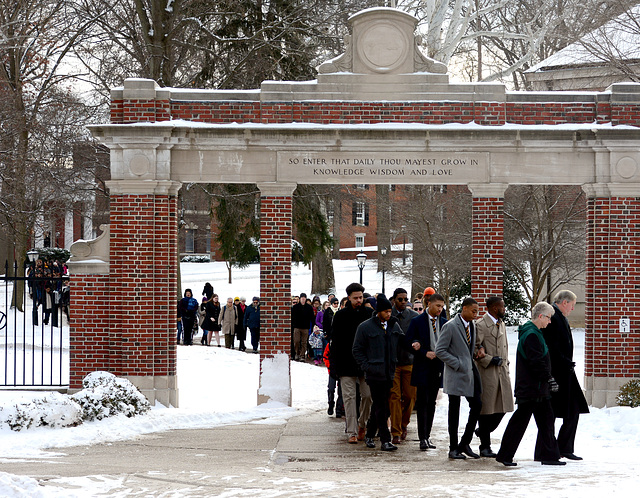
x,y
429,291
334,300
256,299
383,303
236,299
302,294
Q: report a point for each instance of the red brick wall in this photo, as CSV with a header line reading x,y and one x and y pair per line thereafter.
x,y
354,112
488,248
143,267
90,343
275,275
612,287
127,320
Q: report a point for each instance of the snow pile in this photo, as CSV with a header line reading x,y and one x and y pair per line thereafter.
x,y
53,410
105,395
18,486
274,380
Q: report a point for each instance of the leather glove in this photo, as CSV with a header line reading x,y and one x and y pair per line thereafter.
x,y
553,385
572,366
496,360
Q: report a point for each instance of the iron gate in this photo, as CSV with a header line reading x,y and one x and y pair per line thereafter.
x,y
34,336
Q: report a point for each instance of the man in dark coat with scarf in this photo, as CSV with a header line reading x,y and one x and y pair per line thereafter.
x,y
375,348
569,402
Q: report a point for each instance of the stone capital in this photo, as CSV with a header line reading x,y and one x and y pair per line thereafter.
x,y
143,187
492,190
276,189
596,190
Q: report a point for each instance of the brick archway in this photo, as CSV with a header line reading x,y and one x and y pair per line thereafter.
x,y
346,126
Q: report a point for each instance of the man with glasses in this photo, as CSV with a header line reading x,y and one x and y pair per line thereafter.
x,y
534,385
569,402
403,394
417,306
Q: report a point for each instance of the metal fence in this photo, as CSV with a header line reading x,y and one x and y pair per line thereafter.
x,y
34,330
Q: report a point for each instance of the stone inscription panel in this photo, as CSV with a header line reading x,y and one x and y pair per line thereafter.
x,y
383,167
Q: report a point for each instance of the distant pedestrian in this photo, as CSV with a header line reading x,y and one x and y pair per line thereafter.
x,y
188,308
252,322
228,322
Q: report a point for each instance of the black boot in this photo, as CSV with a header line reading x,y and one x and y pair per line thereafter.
x,y
330,409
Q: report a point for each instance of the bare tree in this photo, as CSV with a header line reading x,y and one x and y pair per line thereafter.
x,y
544,237
40,119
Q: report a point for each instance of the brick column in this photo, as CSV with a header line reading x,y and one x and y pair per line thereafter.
x,y
276,203
89,309
143,285
612,357
487,241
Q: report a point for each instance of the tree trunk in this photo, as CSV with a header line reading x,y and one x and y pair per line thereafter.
x,y
229,265
322,277
337,224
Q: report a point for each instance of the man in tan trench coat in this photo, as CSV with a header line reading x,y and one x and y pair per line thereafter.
x,y
493,365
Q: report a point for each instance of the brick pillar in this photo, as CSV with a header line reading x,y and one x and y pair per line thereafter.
x,y
612,290
276,204
143,286
89,308
487,241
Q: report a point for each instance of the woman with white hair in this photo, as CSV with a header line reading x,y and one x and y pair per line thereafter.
x,y
534,385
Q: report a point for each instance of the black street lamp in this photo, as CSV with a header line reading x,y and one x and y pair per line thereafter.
x,y
383,253
361,258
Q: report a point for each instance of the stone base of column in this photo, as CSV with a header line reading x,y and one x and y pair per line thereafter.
x,y
275,379
602,391
160,388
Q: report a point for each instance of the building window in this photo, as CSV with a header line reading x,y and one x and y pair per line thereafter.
x,y
331,206
359,240
189,240
440,189
360,214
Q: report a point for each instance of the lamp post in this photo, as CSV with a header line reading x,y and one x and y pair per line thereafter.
x,y
32,254
404,245
361,258
383,253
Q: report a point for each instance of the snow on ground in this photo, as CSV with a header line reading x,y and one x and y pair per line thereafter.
x,y
608,438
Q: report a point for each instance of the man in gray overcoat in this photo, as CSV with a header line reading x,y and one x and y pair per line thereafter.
x,y
493,366
455,347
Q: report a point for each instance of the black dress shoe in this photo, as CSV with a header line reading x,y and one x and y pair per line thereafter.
x,y
369,442
469,452
487,453
430,445
423,445
506,463
570,456
388,447
553,462
330,410
456,455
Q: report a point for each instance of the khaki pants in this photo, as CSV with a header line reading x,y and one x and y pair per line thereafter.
x,y
401,399
300,337
348,385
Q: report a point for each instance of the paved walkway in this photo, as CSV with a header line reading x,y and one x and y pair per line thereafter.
x,y
307,456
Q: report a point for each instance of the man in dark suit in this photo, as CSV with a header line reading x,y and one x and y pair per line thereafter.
x,y
569,402
455,347
426,375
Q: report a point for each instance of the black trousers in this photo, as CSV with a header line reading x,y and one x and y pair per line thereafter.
x,y
486,425
567,433
546,444
475,405
380,412
426,407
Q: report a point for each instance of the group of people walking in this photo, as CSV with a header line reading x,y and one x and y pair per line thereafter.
x,y
393,359
230,320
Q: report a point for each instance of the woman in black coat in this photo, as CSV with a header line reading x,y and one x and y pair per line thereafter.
x,y
210,323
